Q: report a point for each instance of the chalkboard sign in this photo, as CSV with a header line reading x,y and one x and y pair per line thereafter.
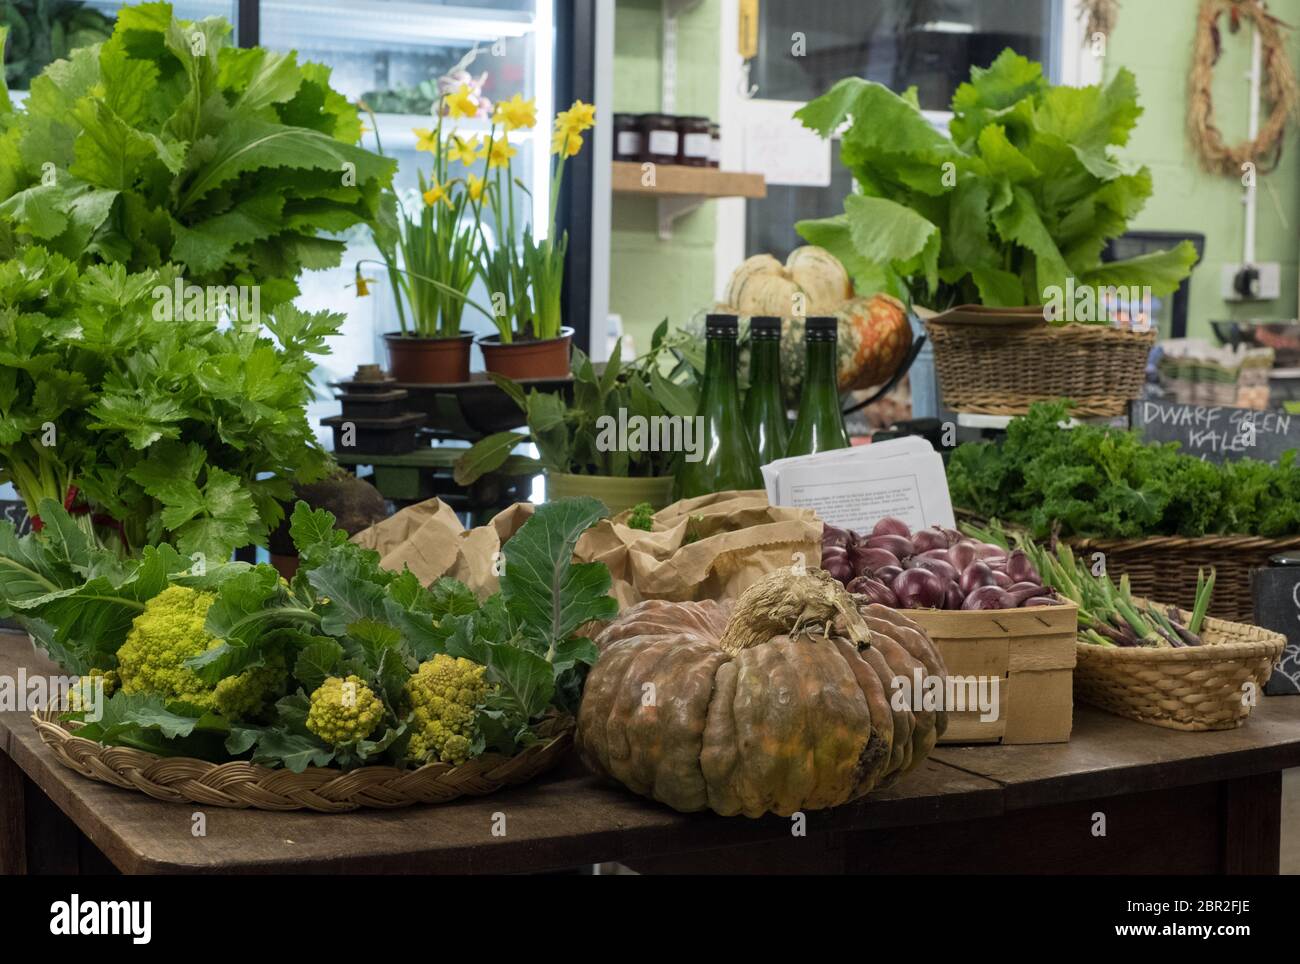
x,y
1215,432
1277,607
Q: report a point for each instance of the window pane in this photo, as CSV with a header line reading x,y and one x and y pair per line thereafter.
x,y
931,44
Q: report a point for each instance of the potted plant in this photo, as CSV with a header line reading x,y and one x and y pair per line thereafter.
x,y
601,445
531,340
1010,213
431,254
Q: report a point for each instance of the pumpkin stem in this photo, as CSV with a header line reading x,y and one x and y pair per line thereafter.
x,y
787,603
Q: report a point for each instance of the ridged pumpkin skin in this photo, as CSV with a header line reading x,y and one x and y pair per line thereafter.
x,y
797,722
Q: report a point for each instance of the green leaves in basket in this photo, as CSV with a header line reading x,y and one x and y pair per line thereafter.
x,y
1024,194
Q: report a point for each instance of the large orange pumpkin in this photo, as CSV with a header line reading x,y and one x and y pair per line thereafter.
x,y
779,704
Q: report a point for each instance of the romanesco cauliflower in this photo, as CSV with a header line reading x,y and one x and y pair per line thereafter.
x,y
170,631
82,695
443,694
344,711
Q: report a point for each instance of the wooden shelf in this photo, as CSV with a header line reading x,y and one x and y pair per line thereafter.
x,y
682,181
680,189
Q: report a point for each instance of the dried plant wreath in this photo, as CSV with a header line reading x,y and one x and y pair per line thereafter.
x,y
1099,17
1279,89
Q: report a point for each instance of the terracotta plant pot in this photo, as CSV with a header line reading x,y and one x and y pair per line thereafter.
x,y
617,492
548,358
429,361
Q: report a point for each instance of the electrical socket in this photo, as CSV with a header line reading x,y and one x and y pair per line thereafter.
x,y
1269,283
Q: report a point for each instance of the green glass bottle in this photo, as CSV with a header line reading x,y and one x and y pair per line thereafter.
x,y
727,458
820,424
765,414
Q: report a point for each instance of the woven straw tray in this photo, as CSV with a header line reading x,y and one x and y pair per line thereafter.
x,y
1193,688
239,784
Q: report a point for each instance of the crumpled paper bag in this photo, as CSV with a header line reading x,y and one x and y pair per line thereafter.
x,y
711,547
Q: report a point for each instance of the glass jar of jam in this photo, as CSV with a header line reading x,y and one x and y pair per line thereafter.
x,y
627,137
659,138
715,145
695,143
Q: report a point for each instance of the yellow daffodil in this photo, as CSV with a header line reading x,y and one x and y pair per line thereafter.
x,y
462,150
461,103
501,153
578,118
516,113
425,139
475,185
566,143
362,284
435,194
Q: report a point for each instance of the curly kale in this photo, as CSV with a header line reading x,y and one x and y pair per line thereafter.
x,y
1103,482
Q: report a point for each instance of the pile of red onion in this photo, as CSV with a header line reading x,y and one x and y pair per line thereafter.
x,y
933,568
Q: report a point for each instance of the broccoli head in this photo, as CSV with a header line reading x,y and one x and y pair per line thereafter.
x,y
171,631
443,694
344,710
642,517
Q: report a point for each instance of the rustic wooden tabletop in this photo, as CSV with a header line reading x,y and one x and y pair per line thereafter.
x,y
973,808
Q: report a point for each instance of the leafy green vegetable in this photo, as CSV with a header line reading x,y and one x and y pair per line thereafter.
x,y
43,31
167,144
1107,483
182,429
341,616
1023,195
575,437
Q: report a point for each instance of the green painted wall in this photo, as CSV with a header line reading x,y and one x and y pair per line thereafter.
x,y
1154,40
652,279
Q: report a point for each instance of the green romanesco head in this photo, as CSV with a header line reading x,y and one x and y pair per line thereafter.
x,y
170,631
443,694
344,710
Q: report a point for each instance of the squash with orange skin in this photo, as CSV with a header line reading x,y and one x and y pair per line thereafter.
x,y
776,704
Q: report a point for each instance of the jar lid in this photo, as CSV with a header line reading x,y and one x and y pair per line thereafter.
x,y
721,324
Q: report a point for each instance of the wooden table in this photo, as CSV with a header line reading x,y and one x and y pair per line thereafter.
x,y
1171,803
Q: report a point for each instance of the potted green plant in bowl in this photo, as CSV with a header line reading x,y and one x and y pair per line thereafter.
x,y
431,254
531,340
619,440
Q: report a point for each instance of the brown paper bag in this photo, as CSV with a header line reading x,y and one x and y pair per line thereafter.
x,y
711,547
428,539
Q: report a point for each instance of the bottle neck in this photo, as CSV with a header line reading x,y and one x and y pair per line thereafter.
x,y
765,363
821,375
720,362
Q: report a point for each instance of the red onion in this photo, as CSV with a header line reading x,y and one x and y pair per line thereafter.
x,y
961,554
919,589
890,526
954,597
887,574
986,550
866,560
953,535
927,539
939,567
1000,578
1041,601
900,546
1021,569
988,597
1024,590
835,536
875,590
975,575
934,554
838,567
835,551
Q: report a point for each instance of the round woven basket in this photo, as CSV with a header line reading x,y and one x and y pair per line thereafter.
x,y
1192,688
239,784
1002,369
1165,566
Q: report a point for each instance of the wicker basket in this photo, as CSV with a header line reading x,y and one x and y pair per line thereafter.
x,y
1164,567
1193,688
1001,369
239,784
